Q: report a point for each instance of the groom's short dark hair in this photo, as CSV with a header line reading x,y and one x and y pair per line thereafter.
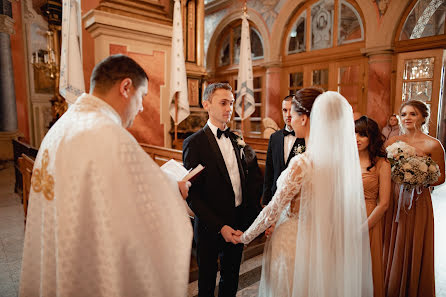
x,y
210,90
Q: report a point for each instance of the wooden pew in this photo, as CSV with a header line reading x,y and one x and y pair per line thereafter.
x,y
260,144
161,155
26,165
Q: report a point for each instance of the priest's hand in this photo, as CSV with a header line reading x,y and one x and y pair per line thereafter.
x,y
184,188
228,234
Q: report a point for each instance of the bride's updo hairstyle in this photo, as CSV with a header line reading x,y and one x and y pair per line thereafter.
x,y
304,98
420,107
366,127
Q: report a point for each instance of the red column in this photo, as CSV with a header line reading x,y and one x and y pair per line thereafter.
x,y
379,86
273,100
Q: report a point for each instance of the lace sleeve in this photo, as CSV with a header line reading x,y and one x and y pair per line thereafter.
x,y
288,187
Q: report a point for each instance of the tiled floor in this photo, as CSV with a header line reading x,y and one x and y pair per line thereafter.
x,y
12,234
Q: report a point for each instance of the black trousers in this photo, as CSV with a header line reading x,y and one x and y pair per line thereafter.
x,y
211,247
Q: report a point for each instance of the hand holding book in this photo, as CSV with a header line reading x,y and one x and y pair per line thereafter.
x,y
180,173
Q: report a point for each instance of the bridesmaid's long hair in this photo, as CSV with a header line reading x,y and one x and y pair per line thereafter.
x,y
366,127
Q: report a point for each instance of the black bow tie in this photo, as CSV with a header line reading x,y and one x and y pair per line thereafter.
x,y
286,133
222,132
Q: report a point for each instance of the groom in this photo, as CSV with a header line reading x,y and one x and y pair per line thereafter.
x,y
218,197
282,147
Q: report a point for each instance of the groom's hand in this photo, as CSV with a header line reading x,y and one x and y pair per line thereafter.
x,y
237,236
228,234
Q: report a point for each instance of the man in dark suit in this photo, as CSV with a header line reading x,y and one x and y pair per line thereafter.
x,y
282,146
218,197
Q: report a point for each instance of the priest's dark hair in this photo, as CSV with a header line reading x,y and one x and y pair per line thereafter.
x,y
115,68
210,90
367,127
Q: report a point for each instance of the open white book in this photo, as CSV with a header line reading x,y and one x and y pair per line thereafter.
x,y
176,170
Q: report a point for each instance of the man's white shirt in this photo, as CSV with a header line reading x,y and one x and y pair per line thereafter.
x,y
228,152
288,142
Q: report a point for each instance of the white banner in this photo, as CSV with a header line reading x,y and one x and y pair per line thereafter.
x,y
244,80
71,83
178,79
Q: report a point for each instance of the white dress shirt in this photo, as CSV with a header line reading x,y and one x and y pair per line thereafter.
x,y
228,152
288,142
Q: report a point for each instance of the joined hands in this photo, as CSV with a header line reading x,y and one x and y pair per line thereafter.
x,y
231,235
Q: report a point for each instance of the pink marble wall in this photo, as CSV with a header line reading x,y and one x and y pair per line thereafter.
x,y
378,99
273,107
147,128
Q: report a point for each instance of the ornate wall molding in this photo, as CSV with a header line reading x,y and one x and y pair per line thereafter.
x,y
148,10
98,22
226,20
28,12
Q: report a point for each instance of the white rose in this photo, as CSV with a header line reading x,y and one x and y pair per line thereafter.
x,y
407,166
423,167
392,151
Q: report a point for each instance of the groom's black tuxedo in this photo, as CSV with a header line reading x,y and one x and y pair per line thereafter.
x,y
275,163
212,199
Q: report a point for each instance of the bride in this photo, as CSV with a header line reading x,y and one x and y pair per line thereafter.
x,y
319,247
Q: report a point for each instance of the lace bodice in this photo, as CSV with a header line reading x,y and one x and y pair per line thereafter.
x,y
289,186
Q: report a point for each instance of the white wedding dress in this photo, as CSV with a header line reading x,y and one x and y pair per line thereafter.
x,y
319,247
280,249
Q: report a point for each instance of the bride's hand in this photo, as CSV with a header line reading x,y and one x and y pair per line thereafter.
x,y
270,230
237,237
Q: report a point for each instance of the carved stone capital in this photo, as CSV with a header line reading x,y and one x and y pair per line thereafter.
x,y
272,64
6,24
378,50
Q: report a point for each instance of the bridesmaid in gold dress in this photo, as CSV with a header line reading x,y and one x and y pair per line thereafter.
x,y
376,181
409,242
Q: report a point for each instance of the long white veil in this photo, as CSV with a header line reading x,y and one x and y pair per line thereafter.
x,y
332,250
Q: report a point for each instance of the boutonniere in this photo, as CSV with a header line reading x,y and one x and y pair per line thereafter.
x,y
299,149
240,143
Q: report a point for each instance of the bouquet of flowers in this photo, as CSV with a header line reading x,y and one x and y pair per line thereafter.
x,y
410,169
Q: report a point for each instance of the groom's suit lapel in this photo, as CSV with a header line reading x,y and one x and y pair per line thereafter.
x,y
291,154
217,153
280,151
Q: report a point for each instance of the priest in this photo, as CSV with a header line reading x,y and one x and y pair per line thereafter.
x,y
103,220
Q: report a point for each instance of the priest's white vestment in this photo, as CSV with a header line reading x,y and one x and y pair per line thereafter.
x,y
103,220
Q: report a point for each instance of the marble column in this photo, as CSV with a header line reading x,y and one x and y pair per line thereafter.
x,y
8,110
273,100
379,102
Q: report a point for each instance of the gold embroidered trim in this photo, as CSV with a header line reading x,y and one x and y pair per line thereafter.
x,y
42,181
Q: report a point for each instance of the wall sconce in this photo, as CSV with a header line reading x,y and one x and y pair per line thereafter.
x,y
46,59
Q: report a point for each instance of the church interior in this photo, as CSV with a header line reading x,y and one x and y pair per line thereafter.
x,y
376,53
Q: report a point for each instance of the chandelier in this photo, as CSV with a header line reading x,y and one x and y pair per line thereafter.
x,y
45,60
